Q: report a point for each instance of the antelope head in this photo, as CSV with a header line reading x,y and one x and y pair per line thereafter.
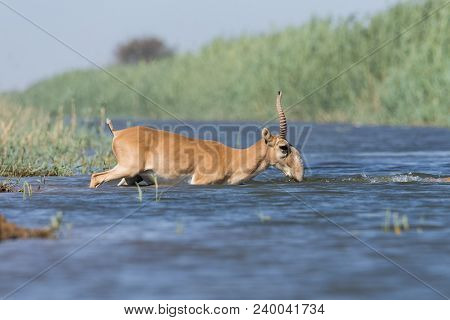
x,y
280,153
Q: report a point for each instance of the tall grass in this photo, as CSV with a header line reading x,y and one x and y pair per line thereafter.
x,y
34,143
405,83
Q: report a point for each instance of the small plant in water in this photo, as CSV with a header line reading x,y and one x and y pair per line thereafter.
x,y
56,221
157,197
139,197
395,222
41,182
27,190
263,217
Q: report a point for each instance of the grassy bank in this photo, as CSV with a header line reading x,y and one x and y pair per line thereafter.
x,y
36,143
405,83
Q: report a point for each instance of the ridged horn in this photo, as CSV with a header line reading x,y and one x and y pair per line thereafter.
x,y
281,116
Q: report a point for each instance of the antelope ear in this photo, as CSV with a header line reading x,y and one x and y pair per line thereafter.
x,y
267,136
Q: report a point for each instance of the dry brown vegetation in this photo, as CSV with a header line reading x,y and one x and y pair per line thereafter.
x,y
10,230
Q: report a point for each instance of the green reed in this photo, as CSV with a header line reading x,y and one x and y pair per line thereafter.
x,y
235,79
35,142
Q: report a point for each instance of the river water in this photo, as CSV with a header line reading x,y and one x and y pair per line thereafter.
x,y
370,221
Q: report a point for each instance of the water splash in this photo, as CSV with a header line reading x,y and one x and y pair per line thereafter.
x,y
411,177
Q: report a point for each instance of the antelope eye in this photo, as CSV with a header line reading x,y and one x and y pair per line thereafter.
x,y
284,148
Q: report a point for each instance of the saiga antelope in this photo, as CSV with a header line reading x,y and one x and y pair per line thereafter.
x,y
141,151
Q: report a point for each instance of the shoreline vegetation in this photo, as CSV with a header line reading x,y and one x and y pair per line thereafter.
x,y
35,142
405,83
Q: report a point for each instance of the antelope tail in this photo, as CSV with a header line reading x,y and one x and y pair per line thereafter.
x,y
110,125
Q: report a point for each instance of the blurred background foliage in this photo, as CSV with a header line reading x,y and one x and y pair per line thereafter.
x,y
405,83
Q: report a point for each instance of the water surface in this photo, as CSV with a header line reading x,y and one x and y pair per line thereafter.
x,y
268,239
